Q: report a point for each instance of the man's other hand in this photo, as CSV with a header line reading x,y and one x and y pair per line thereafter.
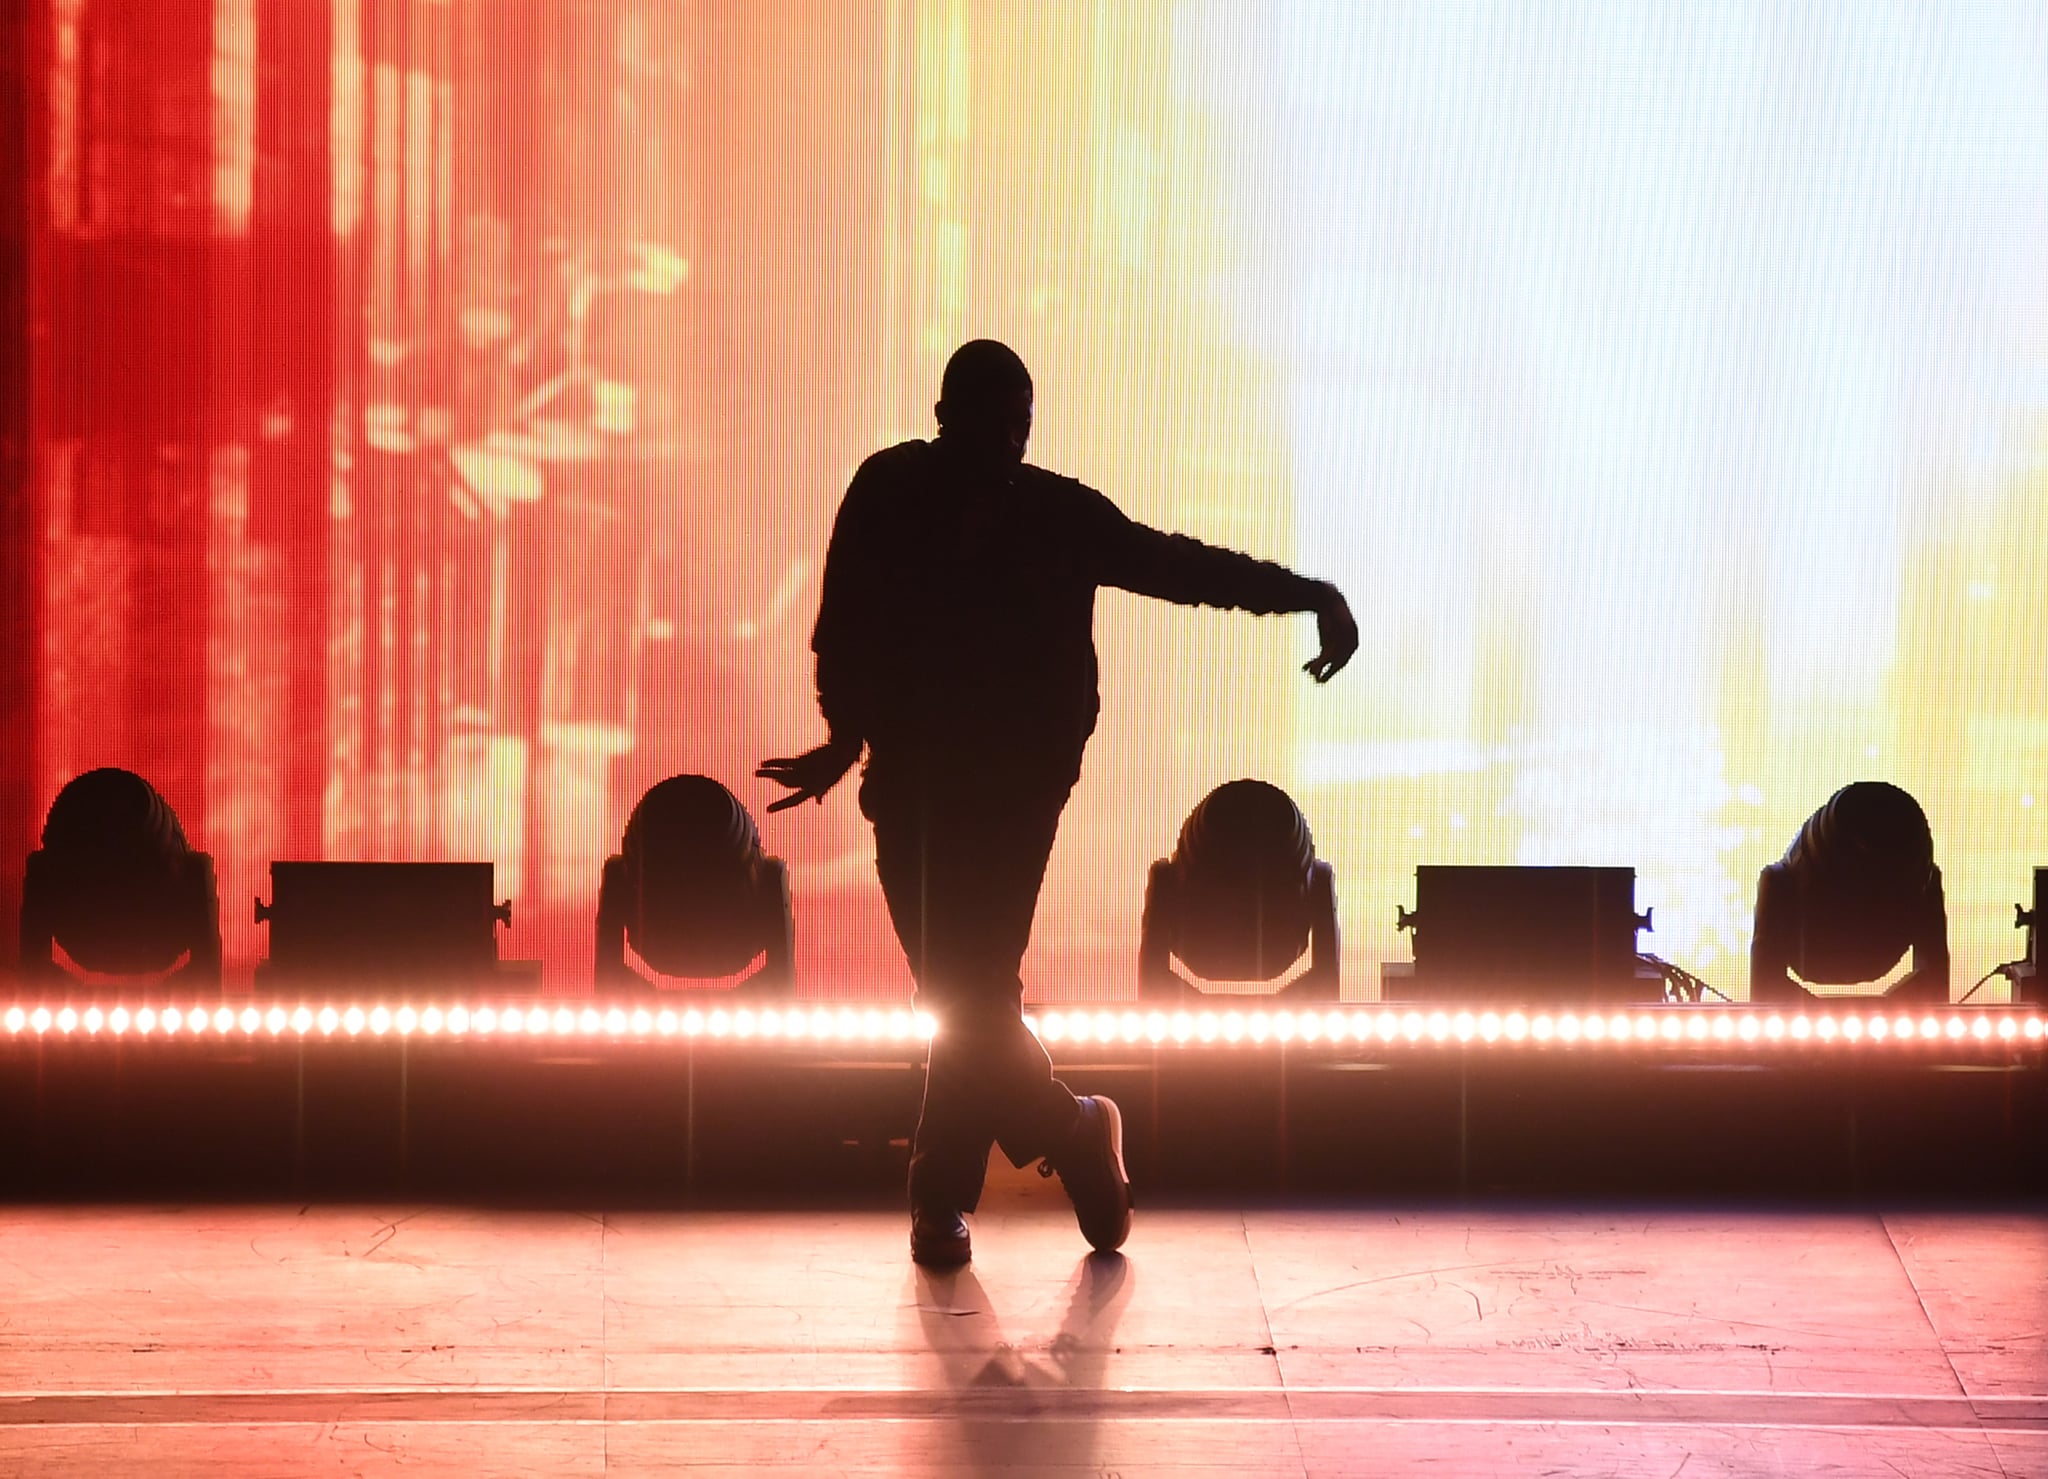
x,y
809,775
1336,631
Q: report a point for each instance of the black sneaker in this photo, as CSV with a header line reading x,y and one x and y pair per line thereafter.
x,y
938,1239
1091,1168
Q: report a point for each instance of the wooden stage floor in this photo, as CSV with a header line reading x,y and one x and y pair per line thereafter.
x,y
1362,1339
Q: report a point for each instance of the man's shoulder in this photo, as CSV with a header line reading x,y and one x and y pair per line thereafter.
x,y
895,463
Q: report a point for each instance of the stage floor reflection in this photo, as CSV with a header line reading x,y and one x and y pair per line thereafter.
x,y
1274,1340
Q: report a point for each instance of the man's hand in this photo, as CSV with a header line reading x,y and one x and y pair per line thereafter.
x,y
1336,631
809,775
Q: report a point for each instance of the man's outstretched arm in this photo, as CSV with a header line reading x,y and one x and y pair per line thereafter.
x,y
1174,567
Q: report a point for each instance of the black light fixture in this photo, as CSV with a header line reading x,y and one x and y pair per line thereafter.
x,y
428,927
694,894
1522,935
118,888
1855,891
1241,899
2026,974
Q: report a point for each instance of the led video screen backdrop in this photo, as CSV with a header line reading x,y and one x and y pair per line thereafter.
x,y
437,410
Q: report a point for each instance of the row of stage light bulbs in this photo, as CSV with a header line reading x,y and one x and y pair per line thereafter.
x,y
1335,1027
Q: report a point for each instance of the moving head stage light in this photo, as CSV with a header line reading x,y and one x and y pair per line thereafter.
x,y
1241,898
117,887
1520,935
1855,891
694,894
2026,975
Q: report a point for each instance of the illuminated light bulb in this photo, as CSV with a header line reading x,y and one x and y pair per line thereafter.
x,y
1181,1026
1724,1030
1258,1026
1750,1030
1696,1028
665,1022
1646,1028
642,1021
1284,1026
927,1026
117,1019
405,1019
1412,1027
614,1021
93,1020
589,1021
872,1024
485,1020
2008,1029
380,1020
1105,1027
693,1022
1774,1027
1156,1029
1568,1027
1080,1027
1596,1029
1233,1026
1542,1028
1852,1028
1464,1027
1801,1029
1489,1026
718,1023
2033,1029
514,1020
1617,1027
223,1018
145,1020
39,1019
173,1019
1902,1027
1439,1026
1386,1026
1956,1027
1879,1029
1825,1029
16,1019
1671,1029
1207,1026
1517,1027
1981,1028
352,1020
1053,1027
1930,1027
458,1021
274,1020
1130,1027
329,1019
67,1020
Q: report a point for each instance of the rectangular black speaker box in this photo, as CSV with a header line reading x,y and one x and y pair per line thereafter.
x,y
1510,935
387,922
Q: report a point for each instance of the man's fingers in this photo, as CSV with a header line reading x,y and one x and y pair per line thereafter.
x,y
794,798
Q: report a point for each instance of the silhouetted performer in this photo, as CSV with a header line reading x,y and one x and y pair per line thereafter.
x,y
955,641
117,885
692,890
1854,892
1242,897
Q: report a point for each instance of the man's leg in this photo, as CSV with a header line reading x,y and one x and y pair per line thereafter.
x,y
961,874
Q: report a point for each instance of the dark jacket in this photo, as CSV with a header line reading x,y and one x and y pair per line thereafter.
x,y
957,622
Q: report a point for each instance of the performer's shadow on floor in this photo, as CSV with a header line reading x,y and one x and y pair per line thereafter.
x,y
963,1329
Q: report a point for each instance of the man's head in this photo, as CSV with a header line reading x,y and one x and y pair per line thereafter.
x,y
984,404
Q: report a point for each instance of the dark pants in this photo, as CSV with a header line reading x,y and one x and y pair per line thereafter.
x,y
961,868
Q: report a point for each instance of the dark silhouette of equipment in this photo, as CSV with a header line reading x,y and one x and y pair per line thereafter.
x,y
423,925
1241,899
118,887
693,893
2026,974
1515,935
1854,892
